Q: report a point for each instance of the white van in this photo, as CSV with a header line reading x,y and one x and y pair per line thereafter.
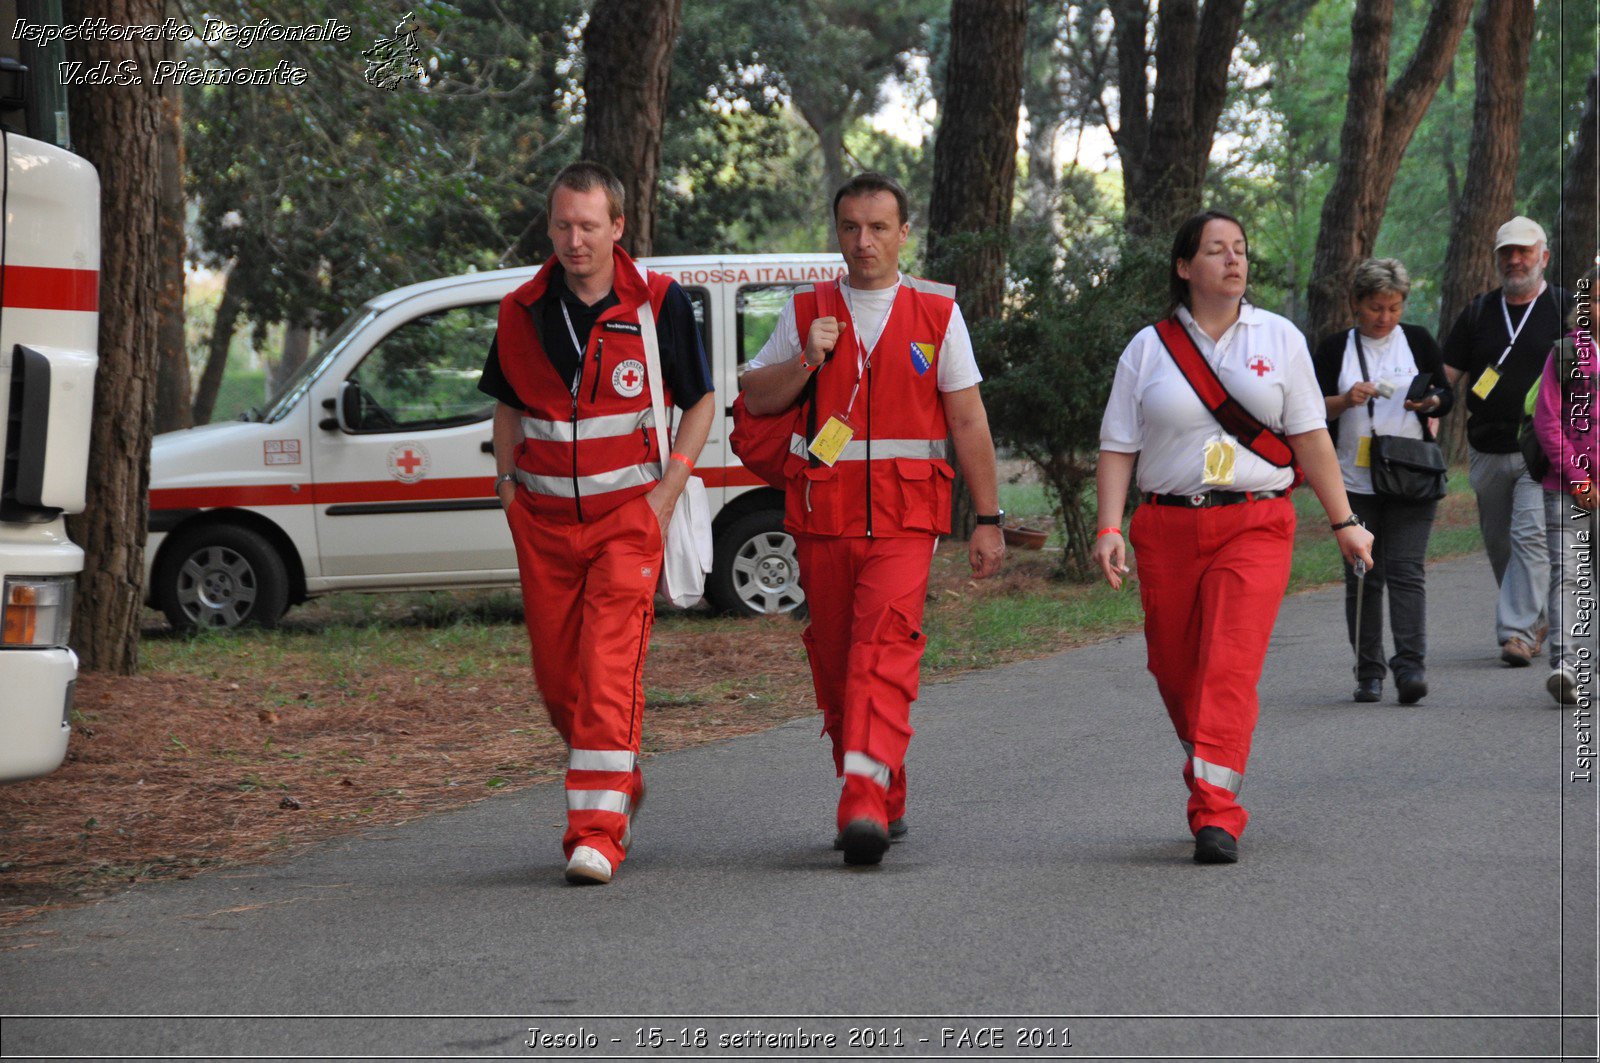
x,y
371,469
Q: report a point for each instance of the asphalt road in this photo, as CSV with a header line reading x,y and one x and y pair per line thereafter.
x,y
1416,882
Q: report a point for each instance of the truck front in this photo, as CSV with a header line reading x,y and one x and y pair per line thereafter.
x,y
49,323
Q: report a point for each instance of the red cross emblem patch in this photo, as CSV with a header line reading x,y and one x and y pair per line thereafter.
x,y
627,379
408,462
1261,365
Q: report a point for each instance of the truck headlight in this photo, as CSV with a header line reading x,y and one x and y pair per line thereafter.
x,y
35,611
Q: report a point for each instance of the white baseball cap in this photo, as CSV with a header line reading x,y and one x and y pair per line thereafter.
x,y
1519,232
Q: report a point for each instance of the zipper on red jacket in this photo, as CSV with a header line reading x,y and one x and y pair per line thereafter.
x,y
594,389
577,384
869,439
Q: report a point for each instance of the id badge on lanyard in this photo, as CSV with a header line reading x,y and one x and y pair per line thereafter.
x,y
1491,376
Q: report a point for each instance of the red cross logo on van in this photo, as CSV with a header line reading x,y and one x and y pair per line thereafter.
x,y
408,462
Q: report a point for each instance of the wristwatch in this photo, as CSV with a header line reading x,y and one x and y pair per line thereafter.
x,y
1352,521
994,518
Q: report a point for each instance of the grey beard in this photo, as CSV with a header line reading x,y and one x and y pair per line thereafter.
x,y
1527,286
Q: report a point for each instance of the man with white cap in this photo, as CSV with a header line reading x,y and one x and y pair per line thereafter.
x,y
1500,343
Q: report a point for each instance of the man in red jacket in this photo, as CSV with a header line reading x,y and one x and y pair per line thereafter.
x,y
588,486
869,488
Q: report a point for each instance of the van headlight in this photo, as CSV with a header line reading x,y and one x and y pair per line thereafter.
x,y
35,611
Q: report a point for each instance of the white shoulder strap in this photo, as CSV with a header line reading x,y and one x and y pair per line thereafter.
x,y
652,365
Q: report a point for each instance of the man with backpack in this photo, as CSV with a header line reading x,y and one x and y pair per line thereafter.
x,y
1499,344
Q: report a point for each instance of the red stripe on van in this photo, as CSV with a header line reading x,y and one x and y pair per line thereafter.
x,y
373,491
47,288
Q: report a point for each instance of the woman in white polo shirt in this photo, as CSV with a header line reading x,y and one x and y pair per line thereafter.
x,y
1216,533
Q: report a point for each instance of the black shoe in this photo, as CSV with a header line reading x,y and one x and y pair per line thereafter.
x,y
897,833
1413,687
1369,689
1213,845
864,841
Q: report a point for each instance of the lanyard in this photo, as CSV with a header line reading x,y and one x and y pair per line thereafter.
x,y
864,358
1505,309
577,378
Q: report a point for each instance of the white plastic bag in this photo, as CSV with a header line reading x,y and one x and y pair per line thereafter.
x,y
686,551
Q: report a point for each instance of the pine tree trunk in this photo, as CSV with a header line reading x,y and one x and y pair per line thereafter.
x,y
118,129
1576,229
628,59
296,345
1378,125
975,167
205,395
173,410
1503,32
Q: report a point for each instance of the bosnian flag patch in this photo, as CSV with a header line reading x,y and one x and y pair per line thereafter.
x,y
921,357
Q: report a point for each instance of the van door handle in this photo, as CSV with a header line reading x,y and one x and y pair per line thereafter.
x,y
487,448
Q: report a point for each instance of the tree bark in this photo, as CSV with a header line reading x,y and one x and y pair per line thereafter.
x,y
1577,226
1378,125
172,377
118,129
205,395
628,60
296,345
1165,150
975,165
1503,32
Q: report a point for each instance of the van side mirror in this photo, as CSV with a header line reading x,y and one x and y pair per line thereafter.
x,y
346,408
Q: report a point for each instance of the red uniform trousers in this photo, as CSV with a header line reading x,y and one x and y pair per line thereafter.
x,y
588,594
1211,581
865,644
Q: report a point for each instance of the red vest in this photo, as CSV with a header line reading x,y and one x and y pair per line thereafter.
x,y
585,453
892,480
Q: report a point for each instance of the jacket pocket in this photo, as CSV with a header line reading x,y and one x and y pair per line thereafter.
x,y
924,487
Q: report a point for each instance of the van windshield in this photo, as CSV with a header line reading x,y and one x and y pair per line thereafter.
x,y
286,396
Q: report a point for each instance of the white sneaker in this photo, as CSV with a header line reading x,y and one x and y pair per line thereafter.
x,y
588,868
1563,685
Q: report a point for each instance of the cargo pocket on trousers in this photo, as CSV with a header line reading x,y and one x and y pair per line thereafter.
x,y
898,645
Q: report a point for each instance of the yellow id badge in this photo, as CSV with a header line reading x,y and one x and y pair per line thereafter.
x,y
830,441
1364,452
1486,382
1219,457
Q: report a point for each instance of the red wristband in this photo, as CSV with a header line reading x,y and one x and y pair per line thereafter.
x,y
1108,531
686,462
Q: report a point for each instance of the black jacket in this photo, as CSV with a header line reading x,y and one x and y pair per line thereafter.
x,y
1329,359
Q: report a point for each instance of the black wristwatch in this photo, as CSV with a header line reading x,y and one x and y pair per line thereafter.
x,y
1352,521
995,518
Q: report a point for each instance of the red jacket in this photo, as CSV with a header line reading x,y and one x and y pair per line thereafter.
x,y
892,480
584,452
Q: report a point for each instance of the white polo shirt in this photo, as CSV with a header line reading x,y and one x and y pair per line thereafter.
x,y
1263,362
958,365
1388,359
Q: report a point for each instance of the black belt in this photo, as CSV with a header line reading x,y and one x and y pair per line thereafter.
x,y
1213,498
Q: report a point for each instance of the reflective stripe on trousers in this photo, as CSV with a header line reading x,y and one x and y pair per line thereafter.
x,y
598,801
861,764
601,760
1218,776
882,449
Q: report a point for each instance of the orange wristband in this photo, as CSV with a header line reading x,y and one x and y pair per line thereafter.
x,y
686,462
1108,531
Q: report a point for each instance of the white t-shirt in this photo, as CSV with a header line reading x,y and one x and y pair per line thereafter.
x,y
1263,362
958,365
1388,359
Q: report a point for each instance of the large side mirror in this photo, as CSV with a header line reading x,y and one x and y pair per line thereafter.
x,y
346,409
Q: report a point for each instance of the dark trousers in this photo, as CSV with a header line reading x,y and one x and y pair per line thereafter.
x,y
1400,531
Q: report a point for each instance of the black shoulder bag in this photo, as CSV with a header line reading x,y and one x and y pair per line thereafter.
x,y
1404,468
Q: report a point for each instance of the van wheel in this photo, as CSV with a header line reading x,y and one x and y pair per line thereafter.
x,y
221,576
755,571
